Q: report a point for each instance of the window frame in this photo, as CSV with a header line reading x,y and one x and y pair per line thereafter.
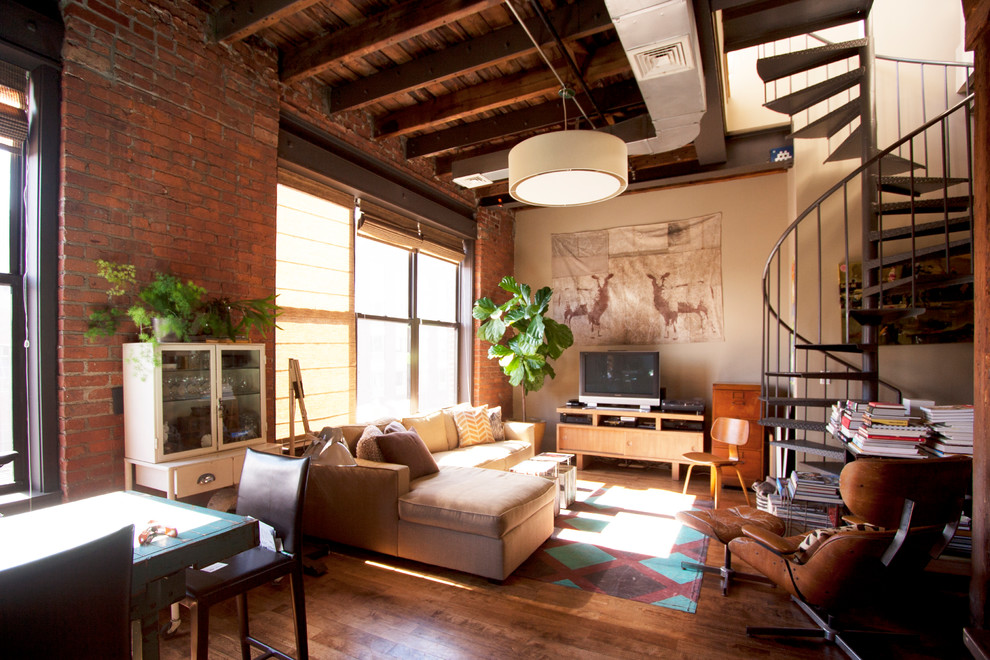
x,y
414,322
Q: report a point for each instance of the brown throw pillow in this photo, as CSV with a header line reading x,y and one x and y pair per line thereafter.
x,y
408,449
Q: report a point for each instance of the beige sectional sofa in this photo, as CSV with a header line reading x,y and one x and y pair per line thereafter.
x,y
470,516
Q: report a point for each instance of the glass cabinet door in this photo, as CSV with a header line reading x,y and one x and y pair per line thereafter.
x,y
187,396
241,401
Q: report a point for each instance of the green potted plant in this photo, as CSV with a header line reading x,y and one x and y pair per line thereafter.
x,y
223,318
523,337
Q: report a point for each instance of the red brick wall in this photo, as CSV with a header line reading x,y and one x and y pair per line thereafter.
x,y
494,259
169,163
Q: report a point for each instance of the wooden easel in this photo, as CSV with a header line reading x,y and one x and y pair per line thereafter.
x,y
296,393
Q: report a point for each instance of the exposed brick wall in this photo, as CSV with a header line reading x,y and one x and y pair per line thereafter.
x,y
169,163
494,259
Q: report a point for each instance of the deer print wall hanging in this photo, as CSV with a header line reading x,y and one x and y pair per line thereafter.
x,y
645,284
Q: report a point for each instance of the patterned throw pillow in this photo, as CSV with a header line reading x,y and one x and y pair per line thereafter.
x,y
367,445
816,537
473,427
498,429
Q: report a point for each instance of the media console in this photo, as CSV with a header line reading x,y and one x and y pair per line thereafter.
x,y
631,434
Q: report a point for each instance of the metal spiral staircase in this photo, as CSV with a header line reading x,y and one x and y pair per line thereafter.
x,y
892,236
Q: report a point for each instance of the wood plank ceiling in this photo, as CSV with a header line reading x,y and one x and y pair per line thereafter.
x,y
454,79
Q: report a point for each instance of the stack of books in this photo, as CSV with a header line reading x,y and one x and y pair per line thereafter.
x,y
952,429
846,418
819,504
815,487
888,430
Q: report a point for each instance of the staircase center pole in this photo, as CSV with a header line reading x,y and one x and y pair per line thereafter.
x,y
869,183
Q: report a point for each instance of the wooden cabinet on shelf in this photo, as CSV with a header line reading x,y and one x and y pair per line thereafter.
x,y
742,401
634,435
190,410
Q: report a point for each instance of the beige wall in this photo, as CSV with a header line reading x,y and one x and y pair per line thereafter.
x,y
753,216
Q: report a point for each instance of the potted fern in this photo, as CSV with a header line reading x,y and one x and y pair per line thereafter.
x,y
522,335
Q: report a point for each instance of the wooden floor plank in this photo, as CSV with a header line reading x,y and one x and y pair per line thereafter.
x,y
373,606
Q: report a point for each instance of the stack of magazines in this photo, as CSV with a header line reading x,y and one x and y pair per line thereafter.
x,y
952,427
888,430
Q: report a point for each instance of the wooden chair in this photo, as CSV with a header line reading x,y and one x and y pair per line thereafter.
x,y
913,507
73,604
728,431
272,489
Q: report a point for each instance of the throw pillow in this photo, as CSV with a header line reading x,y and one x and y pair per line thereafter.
x,y
367,444
448,420
473,426
394,427
431,428
498,428
816,537
408,449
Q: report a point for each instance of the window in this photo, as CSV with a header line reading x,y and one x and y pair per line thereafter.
x,y
407,330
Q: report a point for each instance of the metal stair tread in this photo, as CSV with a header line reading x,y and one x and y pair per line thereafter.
x,y
787,401
960,223
837,375
954,247
743,27
902,285
833,348
795,424
811,448
895,164
884,314
904,185
955,204
809,96
787,64
851,147
830,124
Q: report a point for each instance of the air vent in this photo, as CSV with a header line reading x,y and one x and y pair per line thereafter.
x,y
473,181
658,60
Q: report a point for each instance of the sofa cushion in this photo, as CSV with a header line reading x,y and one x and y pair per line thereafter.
x,y
407,448
473,426
498,429
448,420
475,501
491,455
367,445
430,427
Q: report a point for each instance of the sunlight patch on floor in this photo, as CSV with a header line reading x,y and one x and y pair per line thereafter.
x,y
424,576
625,531
651,500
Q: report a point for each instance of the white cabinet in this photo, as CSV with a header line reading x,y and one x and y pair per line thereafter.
x,y
186,400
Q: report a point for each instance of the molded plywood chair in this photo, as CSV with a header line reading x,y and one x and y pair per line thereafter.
x,y
728,431
272,489
73,604
906,512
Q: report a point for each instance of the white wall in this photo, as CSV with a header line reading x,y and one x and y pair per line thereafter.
x,y
753,216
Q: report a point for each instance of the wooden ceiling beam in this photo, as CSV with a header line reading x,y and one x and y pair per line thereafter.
x,y
613,98
237,21
607,61
404,21
572,22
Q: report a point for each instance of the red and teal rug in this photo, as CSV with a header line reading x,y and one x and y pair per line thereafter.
x,y
625,543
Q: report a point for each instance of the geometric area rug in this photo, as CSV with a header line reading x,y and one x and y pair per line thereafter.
x,y
624,543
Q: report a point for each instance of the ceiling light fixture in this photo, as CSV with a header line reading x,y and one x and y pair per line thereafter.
x,y
566,168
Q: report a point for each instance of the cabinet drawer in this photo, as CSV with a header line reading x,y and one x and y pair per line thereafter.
x,y
666,445
742,403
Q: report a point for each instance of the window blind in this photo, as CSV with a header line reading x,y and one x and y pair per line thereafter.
x,y
384,225
13,107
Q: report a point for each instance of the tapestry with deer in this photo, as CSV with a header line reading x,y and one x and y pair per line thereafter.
x,y
645,284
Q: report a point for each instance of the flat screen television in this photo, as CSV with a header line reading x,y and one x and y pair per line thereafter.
x,y
620,378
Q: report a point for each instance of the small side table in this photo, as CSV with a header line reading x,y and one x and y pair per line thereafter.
x,y
545,469
566,475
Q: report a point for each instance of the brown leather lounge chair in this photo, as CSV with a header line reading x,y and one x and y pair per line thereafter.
x,y
908,509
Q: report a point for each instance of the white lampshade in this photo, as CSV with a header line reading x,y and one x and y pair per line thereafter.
x,y
568,168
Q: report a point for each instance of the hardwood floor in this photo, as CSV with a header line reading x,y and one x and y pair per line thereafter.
x,y
369,605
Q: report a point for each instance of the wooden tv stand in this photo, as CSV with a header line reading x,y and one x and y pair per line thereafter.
x,y
630,434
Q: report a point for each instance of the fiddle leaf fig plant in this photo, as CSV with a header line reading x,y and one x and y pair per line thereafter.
x,y
523,337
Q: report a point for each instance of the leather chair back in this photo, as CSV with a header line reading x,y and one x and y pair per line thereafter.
x,y
272,489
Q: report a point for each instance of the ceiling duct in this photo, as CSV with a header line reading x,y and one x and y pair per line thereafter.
x,y
661,41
